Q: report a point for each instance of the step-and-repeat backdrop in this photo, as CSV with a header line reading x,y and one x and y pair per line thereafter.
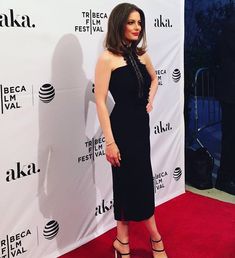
x,y
56,189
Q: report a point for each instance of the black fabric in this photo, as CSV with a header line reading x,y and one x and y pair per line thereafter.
x,y
225,58
133,61
132,181
225,91
198,170
227,171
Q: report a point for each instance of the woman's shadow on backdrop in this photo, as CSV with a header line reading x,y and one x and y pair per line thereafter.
x,y
66,188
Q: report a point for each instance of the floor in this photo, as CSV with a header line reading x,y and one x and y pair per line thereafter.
x,y
213,193
210,137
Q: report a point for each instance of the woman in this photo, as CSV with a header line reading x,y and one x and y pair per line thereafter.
x,y
126,71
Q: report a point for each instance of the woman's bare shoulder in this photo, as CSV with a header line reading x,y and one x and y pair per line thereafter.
x,y
111,59
106,56
104,61
144,58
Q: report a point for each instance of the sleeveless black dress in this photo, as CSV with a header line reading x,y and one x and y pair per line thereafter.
x,y
133,181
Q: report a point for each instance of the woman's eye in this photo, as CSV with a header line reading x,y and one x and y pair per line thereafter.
x,y
133,22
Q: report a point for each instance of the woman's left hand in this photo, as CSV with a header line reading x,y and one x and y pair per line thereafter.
x,y
149,107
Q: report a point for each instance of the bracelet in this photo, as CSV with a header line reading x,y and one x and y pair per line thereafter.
x,y
107,144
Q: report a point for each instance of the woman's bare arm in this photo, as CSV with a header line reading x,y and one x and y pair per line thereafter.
x,y
102,77
154,81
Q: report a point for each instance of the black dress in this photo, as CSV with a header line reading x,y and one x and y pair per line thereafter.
x,y
133,181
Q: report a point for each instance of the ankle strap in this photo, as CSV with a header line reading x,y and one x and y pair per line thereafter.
x,y
156,241
122,242
158,251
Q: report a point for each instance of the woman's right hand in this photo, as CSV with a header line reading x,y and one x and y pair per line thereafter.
x,y
113,154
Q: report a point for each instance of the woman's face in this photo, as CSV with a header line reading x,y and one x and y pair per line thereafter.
x,y
132,27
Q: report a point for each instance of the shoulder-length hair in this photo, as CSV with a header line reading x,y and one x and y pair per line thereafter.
x,y
118,18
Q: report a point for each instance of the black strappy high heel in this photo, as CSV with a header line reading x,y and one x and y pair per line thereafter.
x,y
117,253
156,250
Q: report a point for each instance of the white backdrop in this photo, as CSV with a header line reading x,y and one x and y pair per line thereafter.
x,y
55,183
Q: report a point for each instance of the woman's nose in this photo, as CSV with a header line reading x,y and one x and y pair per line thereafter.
x,y
137,26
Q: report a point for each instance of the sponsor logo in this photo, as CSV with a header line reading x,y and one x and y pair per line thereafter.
x,y
12,245
95,149
10,97
162,128
15,97
161,74
176,75
158,181
11,19
46,93
51,229
21,171
104,207
92,22
177,173
162,22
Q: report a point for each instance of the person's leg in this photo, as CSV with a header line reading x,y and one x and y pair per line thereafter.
x,y
121,244
123,231
156,242
152,228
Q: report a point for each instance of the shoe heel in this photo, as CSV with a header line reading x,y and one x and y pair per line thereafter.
x,y
115,253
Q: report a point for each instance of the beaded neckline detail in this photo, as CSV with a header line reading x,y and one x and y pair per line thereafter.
x,y
133,61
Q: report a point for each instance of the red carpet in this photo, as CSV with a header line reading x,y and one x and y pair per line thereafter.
x,y
192,226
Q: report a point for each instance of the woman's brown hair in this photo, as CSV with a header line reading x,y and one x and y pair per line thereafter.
x,y
116,25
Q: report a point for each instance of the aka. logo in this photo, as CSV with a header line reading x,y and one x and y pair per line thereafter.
x,y
12,19
162,22
176,75
162,127
20,171
46,93
177,173
51,230
104,207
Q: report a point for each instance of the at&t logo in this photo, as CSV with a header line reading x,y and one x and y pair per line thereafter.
x,y
51,230
177,174
176,75
46,93
15,97
12,19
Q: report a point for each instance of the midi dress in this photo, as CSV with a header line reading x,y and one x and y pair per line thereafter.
x,y
133,190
